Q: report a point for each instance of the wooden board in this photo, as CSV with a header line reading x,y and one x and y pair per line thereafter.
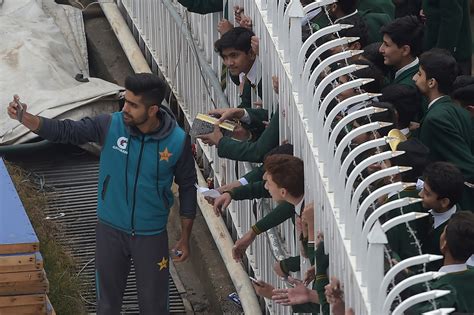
x,y
39,309
22,276
21,262
18,300
29,286
16,233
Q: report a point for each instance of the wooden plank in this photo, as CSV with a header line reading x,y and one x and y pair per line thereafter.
x,y
37,275
25,287
17,259
36,264
39,309
17,300
16,233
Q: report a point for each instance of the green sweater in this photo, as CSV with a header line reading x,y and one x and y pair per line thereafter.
x,y
251,151
446,129
282,212
448,27
461,285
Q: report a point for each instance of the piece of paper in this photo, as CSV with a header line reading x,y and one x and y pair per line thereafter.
x,y
206,192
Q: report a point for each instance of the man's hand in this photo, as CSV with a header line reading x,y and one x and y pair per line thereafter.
x,y
221,203
310,275
240,133
246,22
254,43
263,289
14,111
276,84
182,246
227,113
335,296
238,13
241,245
297,295
212,138
224,26
307,218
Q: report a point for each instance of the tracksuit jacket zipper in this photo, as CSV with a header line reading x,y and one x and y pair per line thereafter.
x,y
135,184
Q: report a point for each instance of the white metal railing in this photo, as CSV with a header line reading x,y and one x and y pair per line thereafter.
x,y
180,44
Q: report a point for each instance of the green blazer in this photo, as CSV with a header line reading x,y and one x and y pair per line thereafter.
x,y
446,129
374,21
406,77
251,151
448,27
461,285
399,237
378,6
202,6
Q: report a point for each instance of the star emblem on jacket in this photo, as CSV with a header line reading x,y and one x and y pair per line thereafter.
x,y
163,264
165,155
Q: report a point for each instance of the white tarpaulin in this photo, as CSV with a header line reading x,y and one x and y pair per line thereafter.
x,y
42,49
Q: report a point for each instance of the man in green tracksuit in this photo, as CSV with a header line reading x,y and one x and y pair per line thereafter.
x,y
448,27
446,129
457,244
143,152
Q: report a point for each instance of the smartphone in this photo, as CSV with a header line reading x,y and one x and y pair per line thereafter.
x,y
20,108
254,281
235,298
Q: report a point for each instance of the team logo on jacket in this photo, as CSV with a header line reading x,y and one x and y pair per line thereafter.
x,y
122,143
165,155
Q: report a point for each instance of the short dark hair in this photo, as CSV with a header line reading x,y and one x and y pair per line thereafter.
x,y
440,65
359,29
286,148
460,235
371,72
287,172
463,90
407,101
372,54
407,30
238,38
445,180
149,86
347,6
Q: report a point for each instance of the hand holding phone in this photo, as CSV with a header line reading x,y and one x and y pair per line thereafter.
x,y
255,281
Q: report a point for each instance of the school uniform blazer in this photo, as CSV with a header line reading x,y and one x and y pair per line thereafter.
x,y
448,27
446,130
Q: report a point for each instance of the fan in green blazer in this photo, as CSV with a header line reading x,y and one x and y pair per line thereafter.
x,y
446,128
400,48
448,27
442,190
378,6
456,244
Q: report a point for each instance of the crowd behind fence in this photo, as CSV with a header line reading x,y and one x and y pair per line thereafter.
x,y
180,44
